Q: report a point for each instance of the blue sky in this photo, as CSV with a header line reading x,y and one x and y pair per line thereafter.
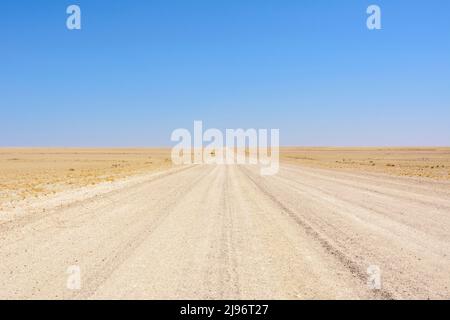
x,y
137,70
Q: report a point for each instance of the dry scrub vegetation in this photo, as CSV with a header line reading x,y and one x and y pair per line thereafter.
x,y
33,172
28,172
431,163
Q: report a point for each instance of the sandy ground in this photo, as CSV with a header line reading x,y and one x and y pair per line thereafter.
x,y
199,232
33,172
431,163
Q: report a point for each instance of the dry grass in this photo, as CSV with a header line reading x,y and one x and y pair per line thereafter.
x,y
28,172
32,172
431,163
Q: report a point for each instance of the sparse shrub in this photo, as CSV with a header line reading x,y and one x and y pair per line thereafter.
x,y
390,165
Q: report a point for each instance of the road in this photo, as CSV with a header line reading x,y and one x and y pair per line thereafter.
x,y
225,232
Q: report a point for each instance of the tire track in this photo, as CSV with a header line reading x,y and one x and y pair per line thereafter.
x,y
128,248
111,196
327,244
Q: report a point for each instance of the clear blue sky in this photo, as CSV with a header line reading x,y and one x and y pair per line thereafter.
x,y
140,69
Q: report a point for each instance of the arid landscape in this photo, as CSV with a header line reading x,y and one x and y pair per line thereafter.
x,y
225,150
26,173
409,162
139,227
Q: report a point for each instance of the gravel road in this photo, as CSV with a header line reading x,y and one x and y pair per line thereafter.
x,y
225,232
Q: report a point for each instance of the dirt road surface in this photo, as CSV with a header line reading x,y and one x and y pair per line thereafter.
x,y
220,232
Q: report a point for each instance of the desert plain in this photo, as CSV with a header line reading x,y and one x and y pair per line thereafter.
x,y
33,172
137,226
